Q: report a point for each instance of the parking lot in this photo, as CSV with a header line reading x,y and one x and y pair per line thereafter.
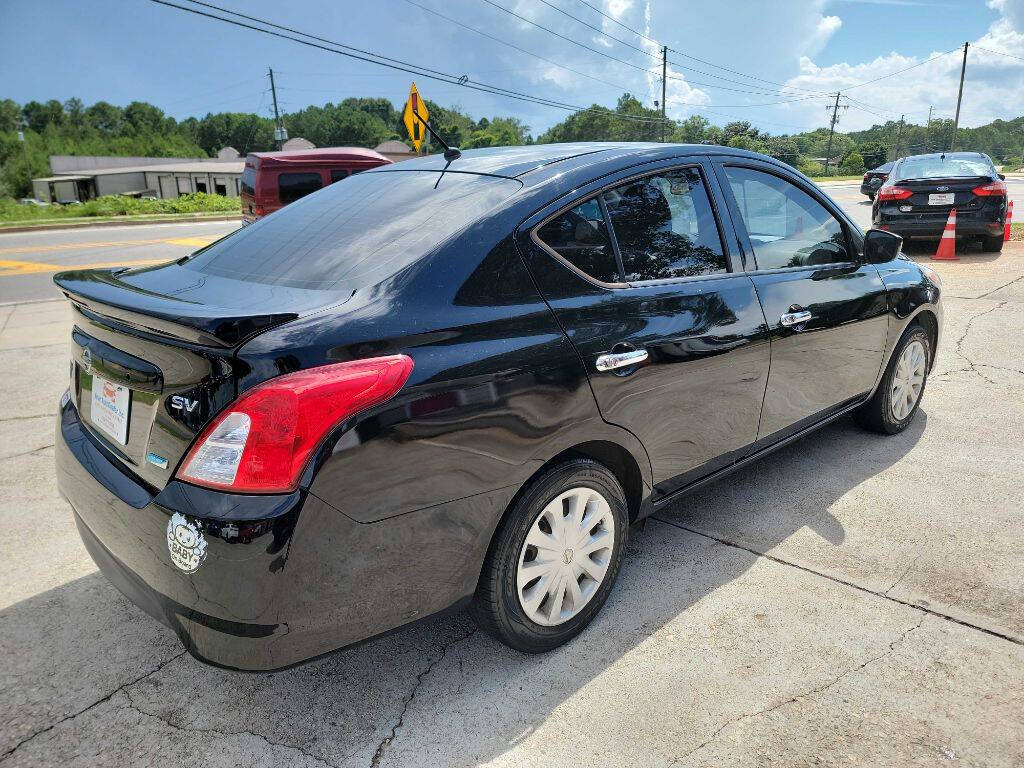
x,y
850,600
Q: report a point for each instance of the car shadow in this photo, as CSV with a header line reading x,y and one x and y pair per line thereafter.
x,y
81,646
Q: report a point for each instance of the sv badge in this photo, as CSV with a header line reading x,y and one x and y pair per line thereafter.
x,y
181,403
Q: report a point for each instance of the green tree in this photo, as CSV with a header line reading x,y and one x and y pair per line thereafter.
x,y
852,164
694,130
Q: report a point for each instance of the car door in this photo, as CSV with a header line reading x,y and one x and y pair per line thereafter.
x,y
664,319
826,309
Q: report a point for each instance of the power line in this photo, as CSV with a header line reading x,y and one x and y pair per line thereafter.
x,y
599,30
513,46
616,21
402,66
901,71
998,53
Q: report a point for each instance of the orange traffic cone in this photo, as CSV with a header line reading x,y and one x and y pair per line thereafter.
x,y
1009,217
947,245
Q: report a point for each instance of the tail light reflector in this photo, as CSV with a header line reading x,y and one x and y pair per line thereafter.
x,y
894,193
264,440
995,189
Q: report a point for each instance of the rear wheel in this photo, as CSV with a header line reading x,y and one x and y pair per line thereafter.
x,y
554,558
992,244
898,396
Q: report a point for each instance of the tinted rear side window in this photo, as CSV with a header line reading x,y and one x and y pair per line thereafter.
x,y
580,236
292,186
357,233
337,174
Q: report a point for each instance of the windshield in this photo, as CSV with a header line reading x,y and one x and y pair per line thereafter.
x,y
935,167
355,234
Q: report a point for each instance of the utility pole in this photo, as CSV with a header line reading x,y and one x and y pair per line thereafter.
x,y
899,138
928,130
831,131
959,98
664,72
280,134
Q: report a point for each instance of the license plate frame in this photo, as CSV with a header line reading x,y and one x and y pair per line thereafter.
x,y
941,198
110,408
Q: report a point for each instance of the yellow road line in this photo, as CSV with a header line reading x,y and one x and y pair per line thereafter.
x,y
196,242
16,268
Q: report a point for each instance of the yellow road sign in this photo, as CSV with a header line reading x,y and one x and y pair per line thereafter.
x,y
417,131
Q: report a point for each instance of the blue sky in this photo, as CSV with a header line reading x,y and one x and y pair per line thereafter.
x,y
123,50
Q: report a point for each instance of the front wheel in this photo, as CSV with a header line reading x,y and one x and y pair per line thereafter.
x,y
992,244
554,558
898,396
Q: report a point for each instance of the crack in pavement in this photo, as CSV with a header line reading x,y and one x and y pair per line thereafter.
x,y
387,741
8,753
800,696
958,347
904,574
130,703
27,453
931,611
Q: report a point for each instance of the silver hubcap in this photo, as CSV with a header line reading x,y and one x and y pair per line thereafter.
x,y
908,380
565,556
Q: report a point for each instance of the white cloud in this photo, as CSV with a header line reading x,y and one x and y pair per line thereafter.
x,y
994,83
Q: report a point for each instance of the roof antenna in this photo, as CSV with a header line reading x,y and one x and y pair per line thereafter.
x,y
450,153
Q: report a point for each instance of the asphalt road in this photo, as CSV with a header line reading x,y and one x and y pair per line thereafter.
x,y
28,260
850,600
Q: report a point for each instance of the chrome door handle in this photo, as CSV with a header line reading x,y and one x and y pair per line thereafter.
x,y
795,318
615,360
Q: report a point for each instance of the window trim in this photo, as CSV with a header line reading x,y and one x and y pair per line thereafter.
x,y
599,194
740,224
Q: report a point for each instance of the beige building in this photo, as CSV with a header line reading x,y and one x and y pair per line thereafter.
x,y
167,178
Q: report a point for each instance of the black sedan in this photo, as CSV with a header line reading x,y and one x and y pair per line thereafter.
x,y
457,384
921,190
874,178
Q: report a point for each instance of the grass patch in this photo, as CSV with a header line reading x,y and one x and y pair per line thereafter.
x,y
1017,231
116,206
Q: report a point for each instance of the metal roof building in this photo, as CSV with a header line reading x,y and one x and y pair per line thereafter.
x,y
151,179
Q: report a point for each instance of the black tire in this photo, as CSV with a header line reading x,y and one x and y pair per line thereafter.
x,y
876,414
992,244
496,607
871,196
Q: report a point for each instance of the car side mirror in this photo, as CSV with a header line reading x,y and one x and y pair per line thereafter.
x,y
1002,176
881,247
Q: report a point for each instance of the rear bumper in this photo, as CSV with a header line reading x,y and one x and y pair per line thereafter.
x,y
869,189
284,578
932,228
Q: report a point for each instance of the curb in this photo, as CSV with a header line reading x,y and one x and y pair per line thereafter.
x,y
127,221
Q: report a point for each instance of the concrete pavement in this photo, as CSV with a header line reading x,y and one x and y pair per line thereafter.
x,y
852,599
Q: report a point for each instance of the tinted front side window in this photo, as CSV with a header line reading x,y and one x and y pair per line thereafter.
x,y
580,236
665,227
787,227
292,186
357,233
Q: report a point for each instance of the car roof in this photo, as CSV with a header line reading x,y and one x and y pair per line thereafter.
x,y
319,154
516,162
948,154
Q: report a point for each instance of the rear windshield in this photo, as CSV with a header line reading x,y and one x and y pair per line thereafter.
x,y
949,168
249,181
355,234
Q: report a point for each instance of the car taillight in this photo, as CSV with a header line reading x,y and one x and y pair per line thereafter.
x,y
996,188
866,175
884,176
262,442
894,193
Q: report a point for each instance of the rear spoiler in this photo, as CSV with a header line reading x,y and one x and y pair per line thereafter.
x,y
99,292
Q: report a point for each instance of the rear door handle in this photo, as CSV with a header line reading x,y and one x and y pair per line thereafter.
x,y
615,360
795,318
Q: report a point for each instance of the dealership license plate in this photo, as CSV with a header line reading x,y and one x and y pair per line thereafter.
x,y
109,410
940,198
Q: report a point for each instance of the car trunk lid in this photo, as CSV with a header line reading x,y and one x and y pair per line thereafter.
x,y
153,354
925,198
